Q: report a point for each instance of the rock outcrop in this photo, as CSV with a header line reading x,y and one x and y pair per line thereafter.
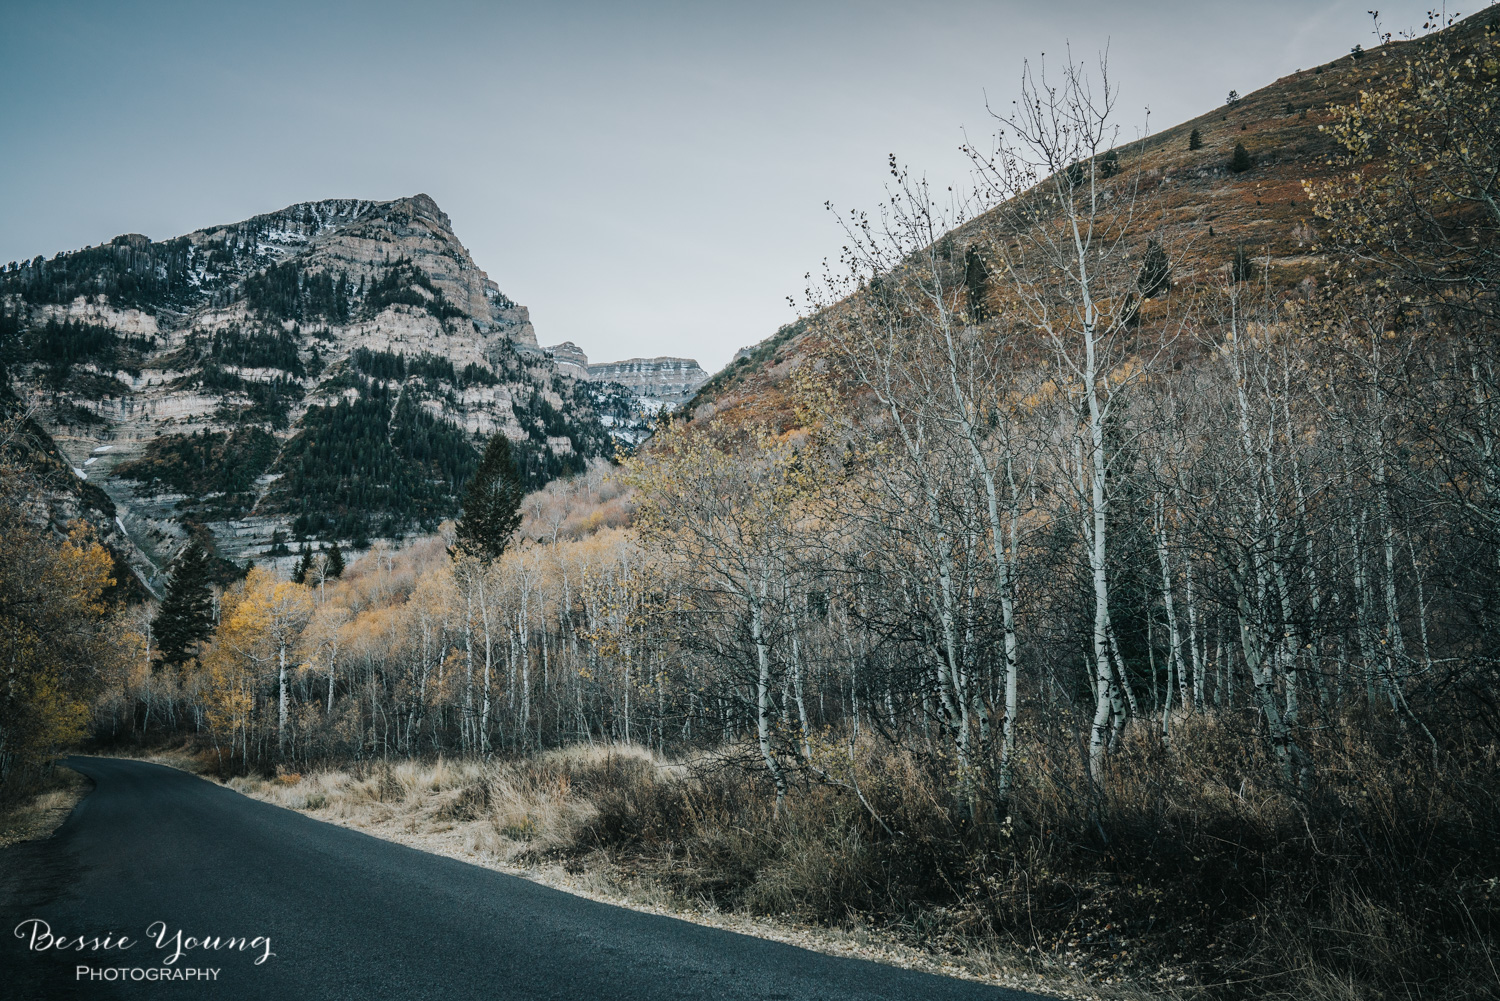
x,y
671,380
654,381
570,359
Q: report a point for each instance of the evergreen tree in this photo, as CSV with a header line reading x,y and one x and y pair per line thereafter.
x,y
1109,165
492,503
1195,139
1240,162
976,282
185,618
1240,268
1156,271
299,574
335,562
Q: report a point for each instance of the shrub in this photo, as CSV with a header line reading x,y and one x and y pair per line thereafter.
x,y
1240,161
1156,271
1196,866
1241,269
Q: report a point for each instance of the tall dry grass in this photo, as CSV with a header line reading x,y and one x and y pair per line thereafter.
x,y
499,808
1193,867
1194,870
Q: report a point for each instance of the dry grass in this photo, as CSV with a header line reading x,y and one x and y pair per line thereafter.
x,y
500,810
36,816
1196,874
543,817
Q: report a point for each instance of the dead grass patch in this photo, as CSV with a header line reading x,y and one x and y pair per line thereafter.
x,y
38,815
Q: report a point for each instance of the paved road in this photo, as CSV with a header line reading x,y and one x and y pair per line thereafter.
x,y
351,916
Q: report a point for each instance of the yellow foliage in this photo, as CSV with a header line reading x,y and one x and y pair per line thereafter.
x,y
56,636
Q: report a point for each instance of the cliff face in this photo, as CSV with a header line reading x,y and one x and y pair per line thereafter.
x,y
654,381
325,371
671,380
570,359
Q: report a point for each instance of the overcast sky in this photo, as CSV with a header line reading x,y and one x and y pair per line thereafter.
x,y
647,178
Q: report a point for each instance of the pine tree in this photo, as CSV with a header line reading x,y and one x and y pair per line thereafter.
x,y
1240,162
299,573
1156,271
1240,268
1109,165
1195,139
976,282
335,566
492,503
186,615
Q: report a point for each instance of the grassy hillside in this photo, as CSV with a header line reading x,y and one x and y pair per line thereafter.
x,y
1208,213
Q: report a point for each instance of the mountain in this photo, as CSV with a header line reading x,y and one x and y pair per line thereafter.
x,y
322,372
631,393
654,382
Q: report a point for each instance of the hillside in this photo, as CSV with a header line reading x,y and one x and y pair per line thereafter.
x,y
321,372
1207,213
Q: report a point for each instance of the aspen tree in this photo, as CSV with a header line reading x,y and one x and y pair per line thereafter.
x,y
723,511
910,334
1062,245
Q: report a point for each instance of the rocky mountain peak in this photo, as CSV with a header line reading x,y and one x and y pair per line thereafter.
x,y
325,371
570,358
423,205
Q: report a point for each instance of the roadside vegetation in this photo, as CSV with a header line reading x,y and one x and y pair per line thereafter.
x,y
1100,603
61,631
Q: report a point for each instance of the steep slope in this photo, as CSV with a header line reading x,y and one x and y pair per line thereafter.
x,y
325,371
52,494
1210,214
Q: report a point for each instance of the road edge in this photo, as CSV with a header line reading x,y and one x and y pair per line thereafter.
x,y
39,816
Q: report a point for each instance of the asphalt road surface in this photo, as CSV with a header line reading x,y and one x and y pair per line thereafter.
x,y
351,916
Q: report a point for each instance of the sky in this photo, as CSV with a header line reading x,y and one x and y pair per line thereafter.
x,y
648,178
